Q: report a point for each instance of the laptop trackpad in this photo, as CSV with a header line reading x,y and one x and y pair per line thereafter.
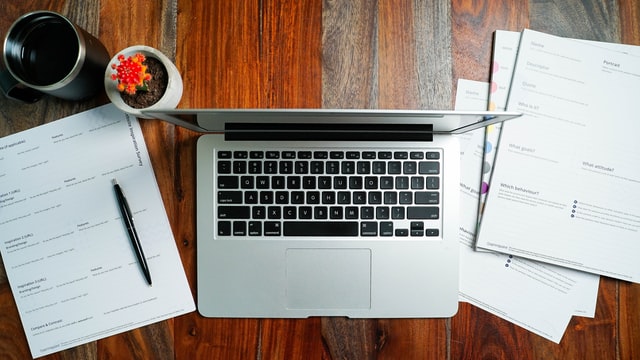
x,y
328,278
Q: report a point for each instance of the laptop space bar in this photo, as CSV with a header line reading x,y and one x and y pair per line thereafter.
x,y
320,228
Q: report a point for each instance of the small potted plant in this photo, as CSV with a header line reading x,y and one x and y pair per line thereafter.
x,y
142,78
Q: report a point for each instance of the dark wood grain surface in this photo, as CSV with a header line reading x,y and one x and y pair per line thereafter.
x,y
310,54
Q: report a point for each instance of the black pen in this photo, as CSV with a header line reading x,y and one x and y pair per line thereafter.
x,y
127,218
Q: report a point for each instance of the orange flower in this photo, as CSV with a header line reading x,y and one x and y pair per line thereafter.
x,y
131,74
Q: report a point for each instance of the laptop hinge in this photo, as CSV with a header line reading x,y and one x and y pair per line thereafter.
x,y
328,132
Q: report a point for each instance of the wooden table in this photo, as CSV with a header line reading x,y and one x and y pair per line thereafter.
x,y
312,54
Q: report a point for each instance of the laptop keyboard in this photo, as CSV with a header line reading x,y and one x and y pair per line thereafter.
x,y
327,193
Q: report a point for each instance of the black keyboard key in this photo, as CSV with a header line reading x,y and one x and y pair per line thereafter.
x,y
224,154
228,182
317,167
324,182
386,182
369,155
416,155
251,197
273,155
224,228
288,154
289,212
229,197
320,212
433,155
354,155
351,212
240,154
409,167
397,213
402,182
278,182
402,232
266,197
405,198
224,167
385,155
270,167
320,155
359,197
429,167
423,212
328,197
333,167
272,228
239,228
417,228
340,182
256,154
308,182
344,197
386,228
255,228
367,212
259,212
427,197
371,182
375,197
294,182
286,167
302,167
336,212
313,197
234,212
433,183
282,197
305,212
394,167
368,228
379,167
417,183
432,232
255,167
246,182
297,197
348,167
355,182
382,213
304,155
363,168
400,155
262,182
274,212
390,197
336,155
320,228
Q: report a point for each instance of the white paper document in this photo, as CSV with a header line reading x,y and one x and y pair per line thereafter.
x,y
69,261
536,296
505,53
566,187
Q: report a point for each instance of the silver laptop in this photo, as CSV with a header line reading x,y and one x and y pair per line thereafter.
x,y
328,212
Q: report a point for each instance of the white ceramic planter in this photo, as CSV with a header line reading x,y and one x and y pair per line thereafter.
x,y
172,95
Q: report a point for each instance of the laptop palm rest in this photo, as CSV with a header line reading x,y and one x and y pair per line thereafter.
x,y
328,278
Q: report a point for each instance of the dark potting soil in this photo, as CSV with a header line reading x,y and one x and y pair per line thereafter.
x,y
156,86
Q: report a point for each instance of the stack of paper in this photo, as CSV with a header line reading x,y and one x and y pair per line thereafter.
x,y
562,204
70,263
